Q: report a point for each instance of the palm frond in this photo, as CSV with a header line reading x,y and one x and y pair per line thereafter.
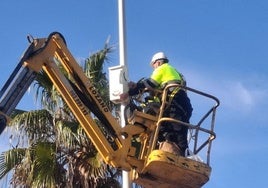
x,y
58,153
46,91
16,112
45,167
93,66
36,125
87,168
38,167
9,159
66,134
93,69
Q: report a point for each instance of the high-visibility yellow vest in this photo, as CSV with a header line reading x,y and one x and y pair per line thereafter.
x,y
166,73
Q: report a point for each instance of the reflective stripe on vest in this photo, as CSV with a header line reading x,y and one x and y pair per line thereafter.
x,y
165,73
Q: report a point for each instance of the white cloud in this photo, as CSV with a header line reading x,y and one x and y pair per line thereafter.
x,y
243,97
236,93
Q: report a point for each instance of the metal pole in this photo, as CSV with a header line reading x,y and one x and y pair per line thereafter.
x,y
122,61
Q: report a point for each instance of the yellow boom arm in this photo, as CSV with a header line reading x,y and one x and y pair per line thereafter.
x,y
132,147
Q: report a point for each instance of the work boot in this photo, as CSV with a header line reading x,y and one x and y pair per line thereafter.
x,y
170,147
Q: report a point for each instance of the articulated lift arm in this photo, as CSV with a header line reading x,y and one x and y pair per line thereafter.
x,y
51,55
133,147
14,89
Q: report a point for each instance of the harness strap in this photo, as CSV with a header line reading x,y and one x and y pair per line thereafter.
x,y
171,96
173,93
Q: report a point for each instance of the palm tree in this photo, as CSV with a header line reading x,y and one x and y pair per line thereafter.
x,y
52,149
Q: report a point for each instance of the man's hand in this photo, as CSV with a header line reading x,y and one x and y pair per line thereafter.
x,y
132,85
124,96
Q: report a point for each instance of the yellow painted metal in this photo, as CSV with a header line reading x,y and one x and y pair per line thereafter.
x,y
135,143
164,170
48,55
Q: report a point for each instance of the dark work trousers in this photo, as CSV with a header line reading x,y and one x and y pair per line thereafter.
x,y
181,109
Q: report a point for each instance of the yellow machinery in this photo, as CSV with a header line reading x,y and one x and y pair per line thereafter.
x,y
132,147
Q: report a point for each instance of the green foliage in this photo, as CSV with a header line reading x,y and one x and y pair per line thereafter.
x,y
9,159
93,69
53,150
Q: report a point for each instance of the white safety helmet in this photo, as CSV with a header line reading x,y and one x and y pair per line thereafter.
x,y
158,56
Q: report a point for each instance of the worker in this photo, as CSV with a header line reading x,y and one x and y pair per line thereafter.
x,y
179,107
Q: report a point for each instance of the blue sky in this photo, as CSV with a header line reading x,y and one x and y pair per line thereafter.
x,y
219,45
